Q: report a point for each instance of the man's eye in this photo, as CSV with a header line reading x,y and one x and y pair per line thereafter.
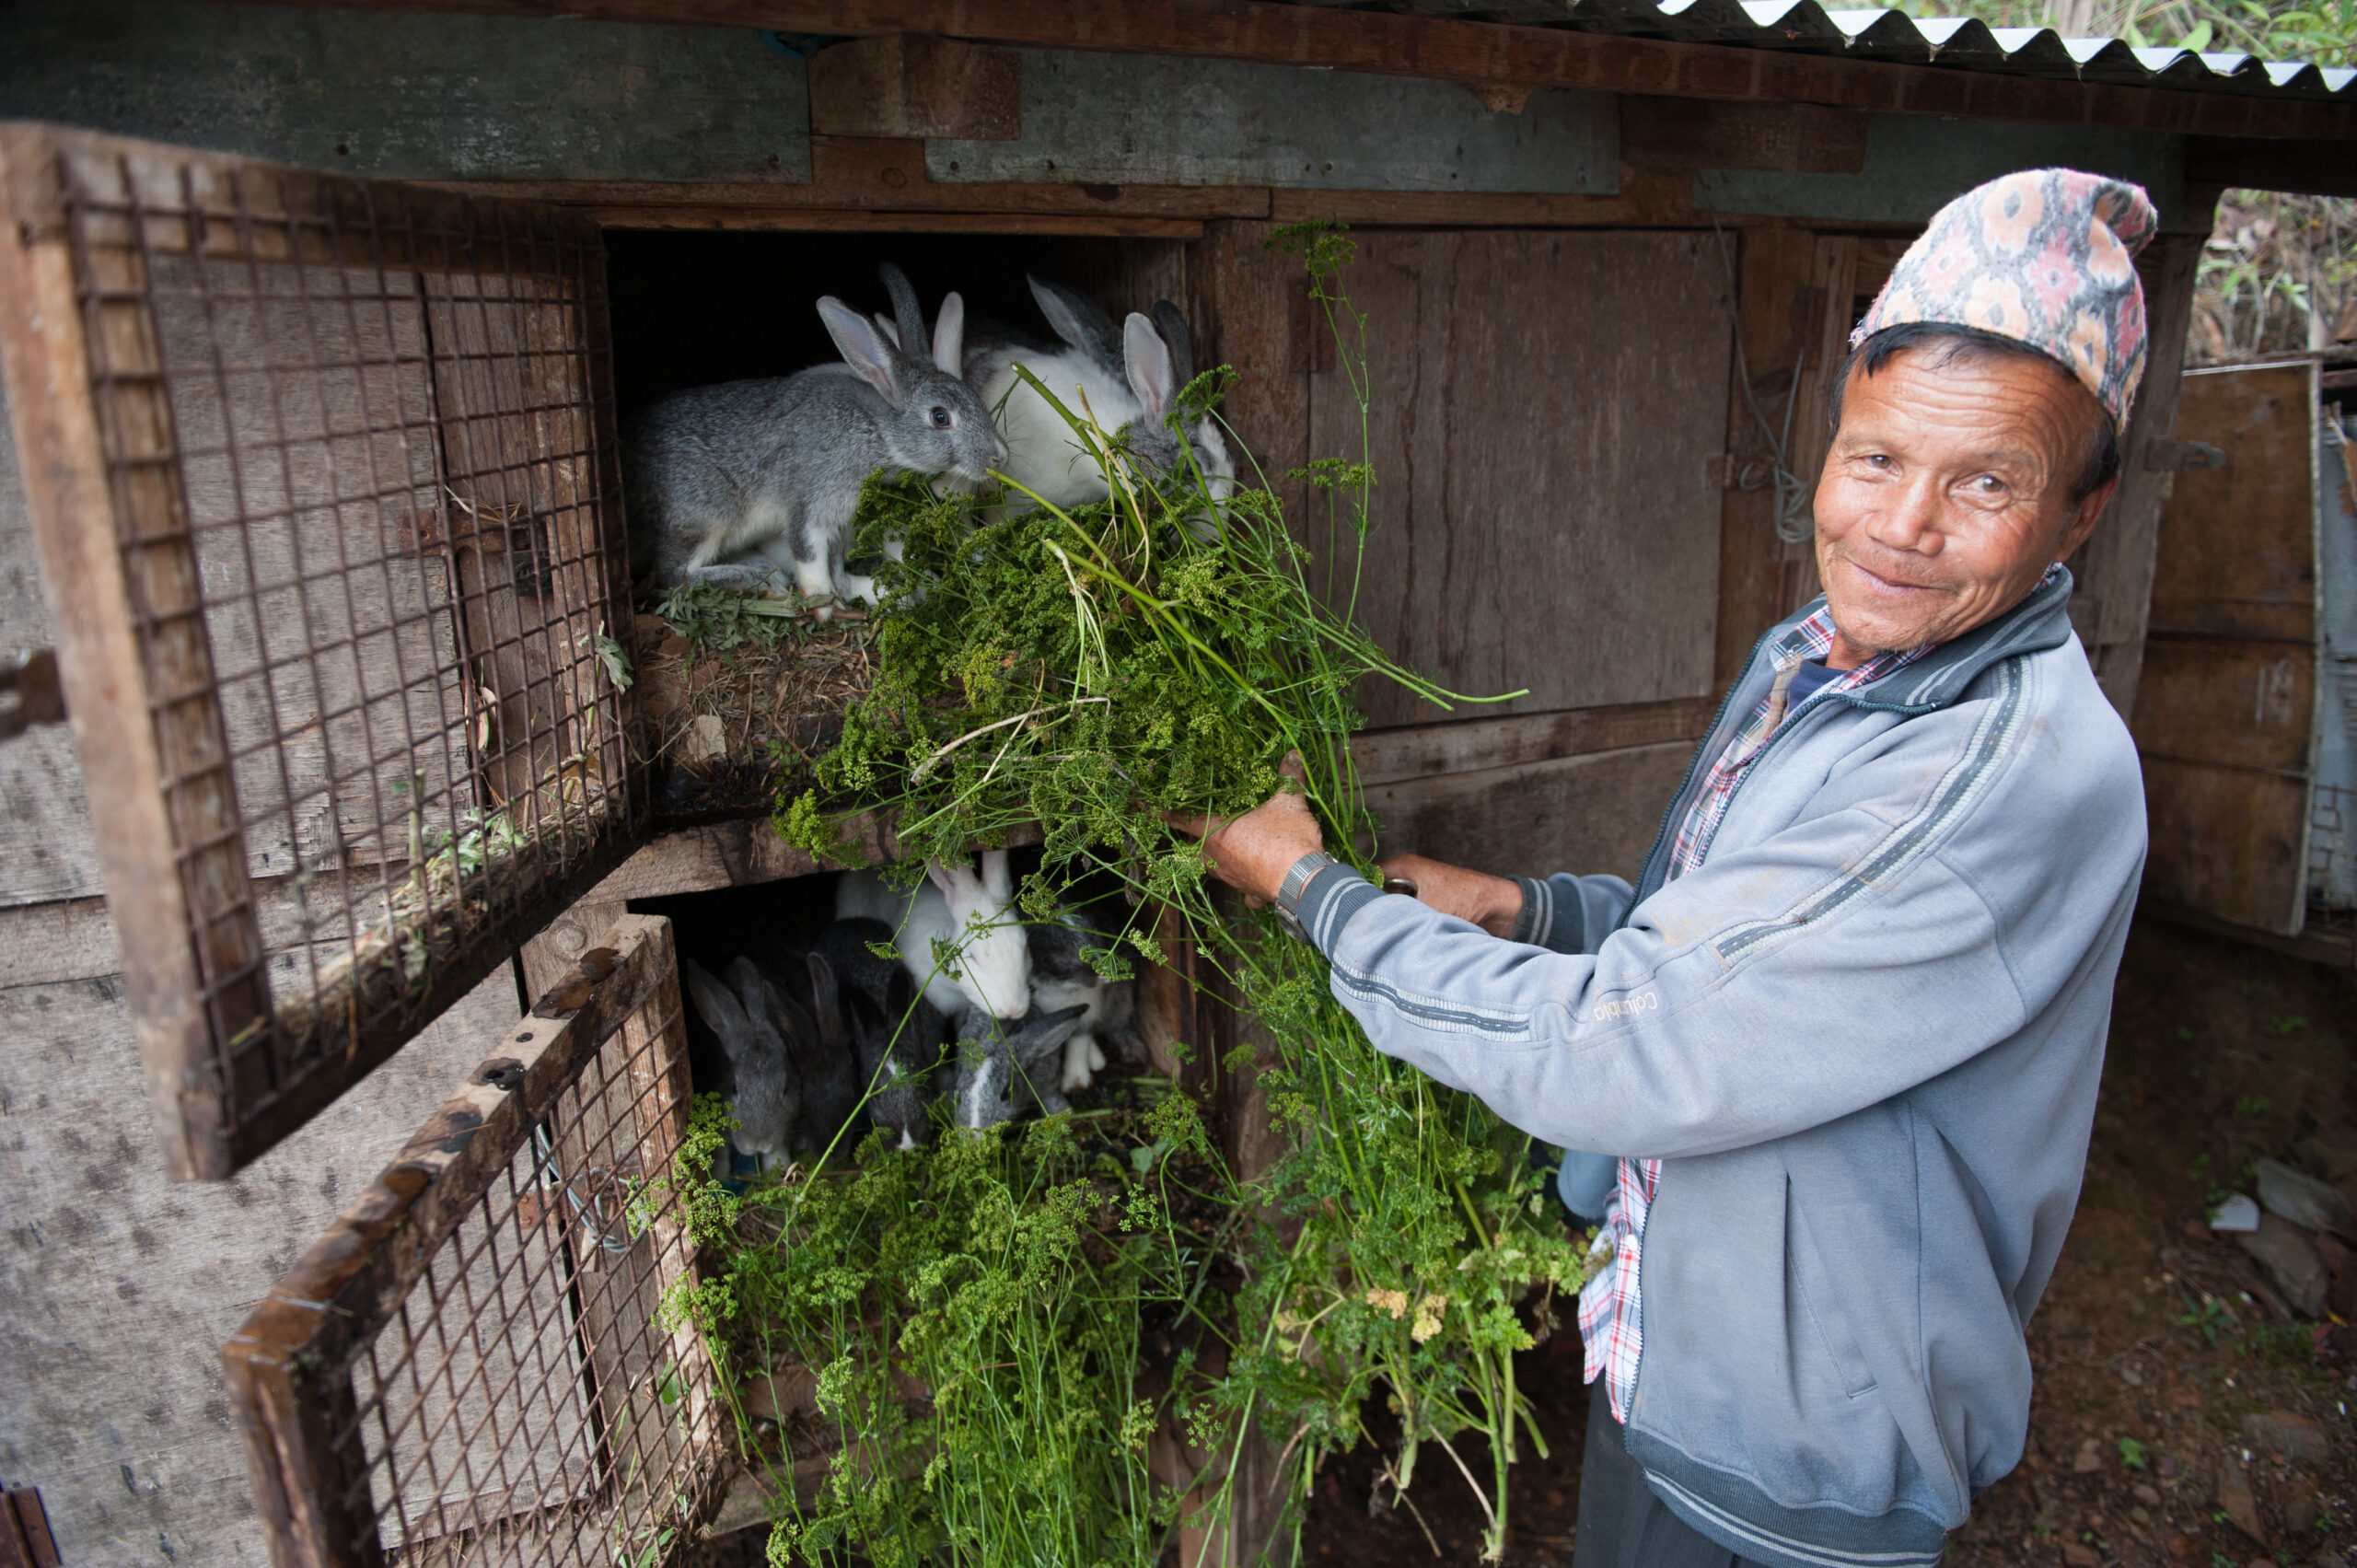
x,y
1988,485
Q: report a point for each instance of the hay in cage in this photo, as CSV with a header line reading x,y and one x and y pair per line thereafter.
x,y
738,693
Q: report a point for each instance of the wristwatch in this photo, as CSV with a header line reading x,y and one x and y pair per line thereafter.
x,y
1295,883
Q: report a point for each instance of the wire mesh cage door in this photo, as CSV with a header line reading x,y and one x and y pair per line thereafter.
x,y
324,481
468,1367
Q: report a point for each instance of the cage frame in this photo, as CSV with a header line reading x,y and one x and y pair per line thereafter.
x,y
109,495
290,1367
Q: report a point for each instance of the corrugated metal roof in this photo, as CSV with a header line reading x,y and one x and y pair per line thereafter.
x,y
1960,42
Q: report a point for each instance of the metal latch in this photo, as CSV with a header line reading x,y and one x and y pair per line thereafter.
x,y
2164,456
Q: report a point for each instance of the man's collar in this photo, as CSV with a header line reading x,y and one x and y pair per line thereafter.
x,y
1937,678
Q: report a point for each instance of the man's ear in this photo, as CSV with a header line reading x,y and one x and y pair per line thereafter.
x,y
2090,512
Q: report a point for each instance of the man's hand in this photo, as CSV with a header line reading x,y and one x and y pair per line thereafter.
x,y
1252,852
1493,903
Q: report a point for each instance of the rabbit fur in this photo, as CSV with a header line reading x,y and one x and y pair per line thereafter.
x,y
896,1033
1062,975
1000,1071
751,1021
748,483
1127,377
963,912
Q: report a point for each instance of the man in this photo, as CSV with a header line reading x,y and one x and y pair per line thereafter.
x,y
1848,1025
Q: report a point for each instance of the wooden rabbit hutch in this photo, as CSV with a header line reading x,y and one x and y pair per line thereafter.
x,y
322,473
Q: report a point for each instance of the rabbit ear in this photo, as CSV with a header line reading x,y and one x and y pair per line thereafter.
x,y
877,361
714,1003
1040,1033
889,328
957,882
1148,360
1076,318
827,996
950,335
995,879
745,980
1173,328
905,309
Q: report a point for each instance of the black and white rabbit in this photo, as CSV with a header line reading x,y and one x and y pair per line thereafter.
x,y
1003,1069
874,1004
764,1087
1061,976
958,912
754,483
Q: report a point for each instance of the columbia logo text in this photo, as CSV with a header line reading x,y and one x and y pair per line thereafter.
x,y
1624,1006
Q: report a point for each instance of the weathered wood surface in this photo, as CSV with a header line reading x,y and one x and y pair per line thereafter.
x,y
46,848
1162,119
1676,132
122,1284
2116,565
416,97
916,85
1451,49
1597,812
1546,409
1397,756
1784,299
2226,707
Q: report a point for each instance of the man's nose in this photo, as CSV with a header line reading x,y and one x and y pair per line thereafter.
x,y
1911,520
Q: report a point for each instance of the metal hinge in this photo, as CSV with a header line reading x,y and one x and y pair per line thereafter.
x,y
2167,457
29,693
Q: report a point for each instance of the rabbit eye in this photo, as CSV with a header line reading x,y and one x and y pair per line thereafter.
x,y
941,419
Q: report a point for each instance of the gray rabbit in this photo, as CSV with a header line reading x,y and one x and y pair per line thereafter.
x,y
752,1021
754,483
874,1004
1000,1073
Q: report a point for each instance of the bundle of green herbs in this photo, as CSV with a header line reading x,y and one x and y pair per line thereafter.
x,y
1101,671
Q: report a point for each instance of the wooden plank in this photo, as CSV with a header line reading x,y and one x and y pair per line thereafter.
x,y
1392,756
916,85
2229,841
400,97
1168,119
1254,315
1451,49
1648,198
2237,703
2312,168
803,220
1546,408
2332,948
1781,306
2237,555
1687,133
1597,812
97,598
887,174
2114,567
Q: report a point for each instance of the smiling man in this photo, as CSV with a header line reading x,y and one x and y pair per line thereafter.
x,y
1845,1030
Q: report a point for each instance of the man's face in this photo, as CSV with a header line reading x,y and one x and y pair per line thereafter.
x,y
1945,495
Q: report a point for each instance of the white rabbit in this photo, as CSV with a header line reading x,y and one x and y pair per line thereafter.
x,y
751,484
1126,376
969,917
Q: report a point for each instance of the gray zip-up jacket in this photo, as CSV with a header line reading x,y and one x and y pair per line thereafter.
x,y
1864,1037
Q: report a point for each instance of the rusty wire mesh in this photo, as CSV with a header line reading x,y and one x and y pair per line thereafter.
x,y
358,443
505,1395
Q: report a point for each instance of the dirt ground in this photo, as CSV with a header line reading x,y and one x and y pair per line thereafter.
x,y
2149,1442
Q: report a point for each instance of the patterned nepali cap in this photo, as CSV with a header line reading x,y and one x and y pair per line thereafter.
x,y
2041,256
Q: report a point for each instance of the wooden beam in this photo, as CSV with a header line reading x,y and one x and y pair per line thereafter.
x,y
820,220
2310,167
1468,746
1484,52
2333,949
917,85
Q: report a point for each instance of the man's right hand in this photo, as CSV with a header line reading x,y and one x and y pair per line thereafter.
x,y
1493,903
